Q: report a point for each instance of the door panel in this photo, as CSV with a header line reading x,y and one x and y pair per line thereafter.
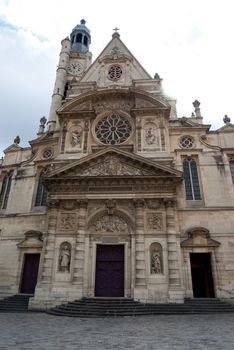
x,y
30,272
110,271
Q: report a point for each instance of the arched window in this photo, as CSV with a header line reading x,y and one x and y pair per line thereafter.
x,y
231,164
85,40
5,190
191,181
156,259
79,38
42,193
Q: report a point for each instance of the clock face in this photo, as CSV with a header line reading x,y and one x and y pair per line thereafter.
x,y
75,68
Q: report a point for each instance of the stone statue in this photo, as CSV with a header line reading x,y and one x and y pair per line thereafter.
x,y
42,125
64,257
17,140
156,76
226,119
156,266
150,136
75,138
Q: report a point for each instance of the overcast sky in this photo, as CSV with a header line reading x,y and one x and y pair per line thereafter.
x,y
189,43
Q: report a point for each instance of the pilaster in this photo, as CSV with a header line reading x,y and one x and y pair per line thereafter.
x,y
175,289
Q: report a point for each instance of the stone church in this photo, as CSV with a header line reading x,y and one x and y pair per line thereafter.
x,y
117,196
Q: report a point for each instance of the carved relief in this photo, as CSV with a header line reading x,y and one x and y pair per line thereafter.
x,y
113,166
154,221
113,105
75,138
150,136
64,257
156,266
67,221
110,223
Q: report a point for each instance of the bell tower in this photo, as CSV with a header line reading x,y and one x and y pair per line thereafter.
x,y
75,59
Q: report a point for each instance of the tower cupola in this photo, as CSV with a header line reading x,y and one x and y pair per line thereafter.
x,y
80,38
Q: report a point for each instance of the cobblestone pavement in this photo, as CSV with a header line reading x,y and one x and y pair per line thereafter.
x,y
37,331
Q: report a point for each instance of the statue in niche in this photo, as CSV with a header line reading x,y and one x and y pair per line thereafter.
x,y
76,138
150,136
64,257
156,266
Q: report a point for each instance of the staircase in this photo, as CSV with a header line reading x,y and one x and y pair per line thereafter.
x,y
15,303
102,307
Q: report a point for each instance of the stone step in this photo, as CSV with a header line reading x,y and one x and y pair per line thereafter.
x,y
103,307
18,302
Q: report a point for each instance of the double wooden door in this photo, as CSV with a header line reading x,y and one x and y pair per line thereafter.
x,y
109,280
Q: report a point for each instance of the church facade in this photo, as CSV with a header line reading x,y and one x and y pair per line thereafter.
x,y
117,196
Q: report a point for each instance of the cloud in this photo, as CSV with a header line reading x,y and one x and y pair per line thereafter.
x,y
188,43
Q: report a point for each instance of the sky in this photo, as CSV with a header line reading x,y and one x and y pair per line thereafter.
x,y
188,43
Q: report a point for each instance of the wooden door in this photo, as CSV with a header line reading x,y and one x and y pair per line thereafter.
x,y
30,272
109,271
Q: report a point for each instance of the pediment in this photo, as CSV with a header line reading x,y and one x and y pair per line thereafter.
x,y
112,162
113,99
115,53
199,237
229,127
33,239
13,148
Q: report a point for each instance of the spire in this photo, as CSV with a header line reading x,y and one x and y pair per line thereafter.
x,y
80,38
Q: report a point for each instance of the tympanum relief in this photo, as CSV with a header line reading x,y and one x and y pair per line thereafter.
x,y
110,223
112,166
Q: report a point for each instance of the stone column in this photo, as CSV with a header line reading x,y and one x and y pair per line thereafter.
x,y
79,276
140,291
174,280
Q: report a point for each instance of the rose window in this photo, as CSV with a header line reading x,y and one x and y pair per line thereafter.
x,y
113,129
186,142
115,72
47,154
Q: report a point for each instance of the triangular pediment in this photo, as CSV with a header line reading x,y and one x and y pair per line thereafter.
x,y
13,148
113,162
229,127
118,54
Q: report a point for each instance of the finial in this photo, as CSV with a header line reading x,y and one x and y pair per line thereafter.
x,y
17,140
157,76
196,105
226,119
115,32
83,21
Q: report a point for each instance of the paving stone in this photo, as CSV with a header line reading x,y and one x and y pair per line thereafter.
x,y
24,331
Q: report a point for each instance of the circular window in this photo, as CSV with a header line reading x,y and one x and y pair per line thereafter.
x,y
186,142
113,129
115,72
47,154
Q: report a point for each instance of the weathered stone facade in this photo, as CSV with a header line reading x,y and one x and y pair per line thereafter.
x,y
116,167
